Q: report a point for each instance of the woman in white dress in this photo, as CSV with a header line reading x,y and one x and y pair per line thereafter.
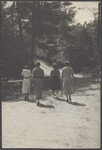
x,y
26,85
67,76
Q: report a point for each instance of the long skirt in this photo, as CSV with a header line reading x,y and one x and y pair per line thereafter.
x,y
38,87
26,86
67,86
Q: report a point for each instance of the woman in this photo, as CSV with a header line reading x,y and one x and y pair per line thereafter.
x,y
38,77
55,80
26,85
67,76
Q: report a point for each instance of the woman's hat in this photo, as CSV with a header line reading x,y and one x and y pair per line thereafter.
x,y
54,65
38,64
67,63
26,67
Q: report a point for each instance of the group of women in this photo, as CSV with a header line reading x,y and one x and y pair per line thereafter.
x,y
36,79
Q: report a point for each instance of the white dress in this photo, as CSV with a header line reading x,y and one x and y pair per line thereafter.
x,y
67,74
26,85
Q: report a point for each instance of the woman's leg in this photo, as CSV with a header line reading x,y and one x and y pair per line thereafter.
x,y
57,92
53,93
70,97
67,97
27,96
37,99
37,102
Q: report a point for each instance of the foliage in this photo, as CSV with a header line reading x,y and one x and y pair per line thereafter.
x,y
45,30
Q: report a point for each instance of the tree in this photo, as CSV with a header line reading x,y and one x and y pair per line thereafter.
x,y
44,26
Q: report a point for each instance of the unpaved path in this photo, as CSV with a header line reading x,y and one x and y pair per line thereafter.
x,y
55,123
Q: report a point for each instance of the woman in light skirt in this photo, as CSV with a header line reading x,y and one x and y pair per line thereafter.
x,y
26,84
67,77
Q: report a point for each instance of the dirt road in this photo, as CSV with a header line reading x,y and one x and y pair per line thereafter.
x,y
54,123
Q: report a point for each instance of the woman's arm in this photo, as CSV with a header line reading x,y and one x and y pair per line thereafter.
x,y
72,73
22,74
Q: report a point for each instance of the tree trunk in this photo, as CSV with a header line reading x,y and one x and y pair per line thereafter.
x,y
99,24
20,25
12,19
33,35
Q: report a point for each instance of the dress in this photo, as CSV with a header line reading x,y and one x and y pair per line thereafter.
x,y
55,80
67,74
38,76
26,85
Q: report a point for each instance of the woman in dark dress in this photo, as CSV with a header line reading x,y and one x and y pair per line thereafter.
x,y
38,78
55,80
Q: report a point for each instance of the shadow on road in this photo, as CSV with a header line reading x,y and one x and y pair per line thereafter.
x,y
60,99
72,103
45,106
32,101
77,104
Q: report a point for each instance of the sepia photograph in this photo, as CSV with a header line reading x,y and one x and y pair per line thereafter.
x,y
51,74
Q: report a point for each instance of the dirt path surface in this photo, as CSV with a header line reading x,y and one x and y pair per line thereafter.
x,y
54,123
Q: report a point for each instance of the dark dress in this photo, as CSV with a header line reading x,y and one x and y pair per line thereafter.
x,y
55,80
38,77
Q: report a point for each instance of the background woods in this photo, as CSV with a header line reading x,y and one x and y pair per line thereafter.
x,y
47,31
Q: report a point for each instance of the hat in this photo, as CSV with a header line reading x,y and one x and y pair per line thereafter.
x,y
67,63
38,64
26,67
54,65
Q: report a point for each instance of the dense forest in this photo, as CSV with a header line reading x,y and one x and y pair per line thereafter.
x,y
47,30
